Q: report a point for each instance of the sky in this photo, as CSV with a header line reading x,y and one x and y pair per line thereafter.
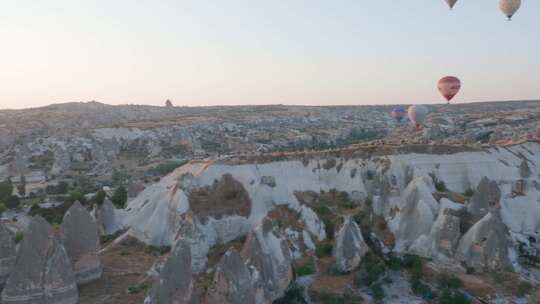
x,y
234,52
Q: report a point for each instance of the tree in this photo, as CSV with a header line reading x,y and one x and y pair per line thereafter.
x,y
119,198
98,198
62,187
21,188
6,190
12,202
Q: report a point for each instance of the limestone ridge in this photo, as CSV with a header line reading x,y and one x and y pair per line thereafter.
x,y
80,238
42,273
420,200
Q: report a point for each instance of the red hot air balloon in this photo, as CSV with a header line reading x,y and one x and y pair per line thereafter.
x,y
449,86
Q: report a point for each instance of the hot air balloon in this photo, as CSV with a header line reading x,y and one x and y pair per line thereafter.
x,y
398,113
417,114
509,7
451,3
449,86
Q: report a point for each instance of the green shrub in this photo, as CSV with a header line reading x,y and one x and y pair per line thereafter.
x,y
378,292
75,196
293,295
469,192
306,269
158,250
166,168
373,268
413,264
329,228
451,282
19,236
420,289
324,250
6,190
524,288
119,198
322,210
2,208
393,262
98,198
12,202
137,288
440,186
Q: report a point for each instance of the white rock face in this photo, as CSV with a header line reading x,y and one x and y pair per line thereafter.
x,y
269,259
486,246
42,273
417,211
401,187
79,235
175,281
232,282
350,246
108,219
313,224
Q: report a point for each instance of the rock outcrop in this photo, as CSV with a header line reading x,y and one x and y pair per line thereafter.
x,y
42,273
7,253
416,214
350,247
175,281
108,218
80,238
232,282
485,247
445,233
486,196
269,259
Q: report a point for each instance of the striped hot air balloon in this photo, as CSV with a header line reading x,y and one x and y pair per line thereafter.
x,y
449,86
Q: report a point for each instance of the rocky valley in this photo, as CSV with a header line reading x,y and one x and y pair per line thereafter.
x,y
120,213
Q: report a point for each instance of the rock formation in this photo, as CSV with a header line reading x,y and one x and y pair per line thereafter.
x,y
80,238
232,282
486,196
416,214
350,247
524,169
108,218
7,253
485,246
175,282
42,273
445,233
269,258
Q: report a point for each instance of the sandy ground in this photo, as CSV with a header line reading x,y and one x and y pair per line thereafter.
x,y
124,266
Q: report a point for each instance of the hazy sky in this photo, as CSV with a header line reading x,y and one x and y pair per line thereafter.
x,y
264,51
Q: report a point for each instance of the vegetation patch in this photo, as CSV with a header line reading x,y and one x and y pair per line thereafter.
x,y
305,266
226,196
